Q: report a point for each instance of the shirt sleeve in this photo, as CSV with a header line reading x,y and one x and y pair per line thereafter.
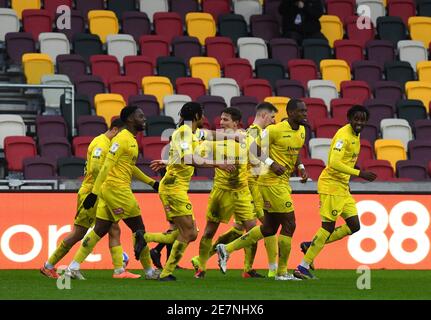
x,y
336,158
182,143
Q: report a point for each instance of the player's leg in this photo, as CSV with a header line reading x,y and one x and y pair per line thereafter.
x,y
250,254
350,215
230,235
288,226
156,252
205,245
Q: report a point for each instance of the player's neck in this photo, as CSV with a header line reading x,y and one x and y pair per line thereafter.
x,y
353,131
293,125
132,130
258,123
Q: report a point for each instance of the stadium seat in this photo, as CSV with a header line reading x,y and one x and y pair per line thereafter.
x,y
360,29
396,129
412,169
264,26
247,8
270,69
91,126
172,68
370,132
422,129
207,173
136,24
324,89
16,149
420,29
336,71
327,128
154,46
52,96
54,147
147,103
314,167
102,23
424,8
420,90
390,90
420,150
138,67
280,103
316,50
192,87
238,69
82,108
87,45
121,46
252,49
400,71
87,5
39,168
80,146
36,21
204,68
340,8
319,148
120,7
183,7
157,86
105,67
284,50
316,109
233,26
172,105
411,110
71,167
89,86
168,25
340,106
19,6
348,50
382,168
186,47
47,126
216,7
379,109
150,7
220,48
152,147
290,88
160,126
391,150
355,89
391,29
380,51
332,28
368,71
124,85
108,105
224,87
302,70
9,22
366,153
52,5
36,65
424,70
259,88
247,106
213,106
200,25
376,9
77,25
17,44
412,52
401,8
71,65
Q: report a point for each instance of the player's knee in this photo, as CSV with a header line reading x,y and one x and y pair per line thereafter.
x,y
355,227
192,235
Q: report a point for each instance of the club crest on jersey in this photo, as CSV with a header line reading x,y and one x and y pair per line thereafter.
x,y
114,147
288,204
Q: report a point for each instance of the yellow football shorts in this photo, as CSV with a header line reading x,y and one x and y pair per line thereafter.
x,y
176,205
222,204
257,200
277,198
117,203
85,218
331,207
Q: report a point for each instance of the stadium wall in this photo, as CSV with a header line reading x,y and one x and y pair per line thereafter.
x,y
395,234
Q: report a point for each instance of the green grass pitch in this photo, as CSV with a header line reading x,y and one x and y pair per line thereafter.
x,y
332,284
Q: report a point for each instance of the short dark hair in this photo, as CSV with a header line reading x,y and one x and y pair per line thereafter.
x,y
234,113
357,108
126,112
293,104
116,123
266,106
190,110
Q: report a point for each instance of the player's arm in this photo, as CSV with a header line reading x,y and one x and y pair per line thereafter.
x,y
212,135
138,174
97,159
301,168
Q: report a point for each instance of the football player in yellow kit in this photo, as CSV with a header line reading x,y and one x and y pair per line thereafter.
x,y
334,191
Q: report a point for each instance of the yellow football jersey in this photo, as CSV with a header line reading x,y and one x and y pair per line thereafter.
x,y
178,174
343,153
254,133
96,154
282,144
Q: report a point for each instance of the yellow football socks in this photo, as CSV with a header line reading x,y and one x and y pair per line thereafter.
x,y
160,237
271,246
117,256
204,250
59,253
86,247
250,253
339,233
177,252
253,236
284,245
317,245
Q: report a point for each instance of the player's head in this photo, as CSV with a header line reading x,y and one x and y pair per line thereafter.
x,y
230,118
358,116
296,111
133,117
192,112
115,127
265,112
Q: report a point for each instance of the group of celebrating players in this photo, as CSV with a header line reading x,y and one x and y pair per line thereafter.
x,y
251,183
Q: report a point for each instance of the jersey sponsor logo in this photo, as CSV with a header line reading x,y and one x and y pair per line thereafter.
x,y
167,208
339,144
118,211
114,147
267,204
97,152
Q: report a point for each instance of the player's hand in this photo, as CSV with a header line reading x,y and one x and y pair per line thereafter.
x,y
89,201
368,175
157,165
156,186
278,169
227,167
140,243
304,175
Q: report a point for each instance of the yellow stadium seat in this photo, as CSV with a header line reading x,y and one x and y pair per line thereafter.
x,y
332,28
158,87
391,150
200,25
424,70
36,65
108,105
204,68
20,5
102,23
420,90
280,103
335,70
420,29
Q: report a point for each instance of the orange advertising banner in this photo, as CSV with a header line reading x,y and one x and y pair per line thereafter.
x,y
395,232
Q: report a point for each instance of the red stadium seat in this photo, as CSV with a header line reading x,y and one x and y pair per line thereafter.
x,y
36,21
105,66
138,67
154,46
302,70
16,149
327,128
316,109
168,24
126,86
238,69
382,168
80,146
152,147
314,167
356,90
259,88
192,87
220,48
